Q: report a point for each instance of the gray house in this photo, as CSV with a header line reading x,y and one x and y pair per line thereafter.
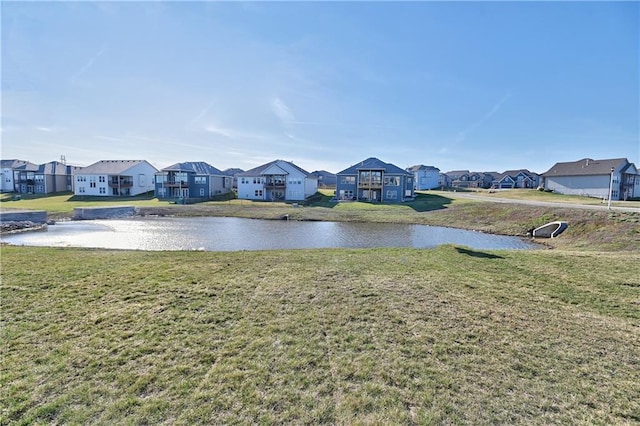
x,y
594,178
191,180
425,177
374,180
510,179
46,178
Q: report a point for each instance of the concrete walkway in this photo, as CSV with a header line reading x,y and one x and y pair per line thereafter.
x,y
472,196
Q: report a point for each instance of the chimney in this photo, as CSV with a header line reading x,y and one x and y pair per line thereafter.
x,y
587,162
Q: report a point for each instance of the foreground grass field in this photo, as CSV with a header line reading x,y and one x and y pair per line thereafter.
x,y
385,336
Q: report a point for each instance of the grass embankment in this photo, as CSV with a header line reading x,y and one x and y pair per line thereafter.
x,y
588,229
385,336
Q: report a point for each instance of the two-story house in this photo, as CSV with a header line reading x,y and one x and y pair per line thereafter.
x,y
510,179
374,180
278,180
7,173
425,177
115,178
191,180
46,178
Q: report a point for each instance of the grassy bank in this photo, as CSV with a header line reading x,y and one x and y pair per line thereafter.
x,y
380,336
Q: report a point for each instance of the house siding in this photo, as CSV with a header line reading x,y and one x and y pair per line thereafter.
x,y
587,186
276,181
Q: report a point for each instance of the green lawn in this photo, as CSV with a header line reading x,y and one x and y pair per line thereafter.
x,y
385,336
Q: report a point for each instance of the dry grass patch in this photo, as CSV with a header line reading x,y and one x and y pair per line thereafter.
x,y
319,336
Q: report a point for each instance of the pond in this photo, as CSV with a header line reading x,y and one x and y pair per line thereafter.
x,y
234,234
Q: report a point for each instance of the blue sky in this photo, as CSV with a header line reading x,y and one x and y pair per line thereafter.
x,y
486,86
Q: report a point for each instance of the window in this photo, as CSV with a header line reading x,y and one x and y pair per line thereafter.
x,y
346,194
39,188
392,180
81,189
39,178
200,180
103,190
348,180
258,193
392,195
202,192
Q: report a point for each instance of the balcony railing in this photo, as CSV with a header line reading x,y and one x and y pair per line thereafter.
x,y
176,184
120,184
275,184
366,185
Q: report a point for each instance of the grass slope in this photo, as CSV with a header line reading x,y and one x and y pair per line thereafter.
x,y
448,335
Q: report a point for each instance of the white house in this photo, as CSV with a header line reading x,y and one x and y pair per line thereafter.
x,y
425,177
595,178
278,180
8,169
115,178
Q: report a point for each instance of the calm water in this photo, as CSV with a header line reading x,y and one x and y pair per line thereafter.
x,y
231,234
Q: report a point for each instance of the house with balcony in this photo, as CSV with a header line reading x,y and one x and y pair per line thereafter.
x,y
425,177
374,180
46,178
278,180
8,169
115,178
511,179
191,180
594,178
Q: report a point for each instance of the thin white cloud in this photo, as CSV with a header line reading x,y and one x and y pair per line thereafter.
x,y
87,66
228,133
463,134
45,129
282,111
202,113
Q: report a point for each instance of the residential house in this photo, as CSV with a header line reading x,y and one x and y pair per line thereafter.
x,y
278,180
191,180
424,177
233,172
375,180
115,178
594,178
510,179
467,179
45,179
325,179
8,168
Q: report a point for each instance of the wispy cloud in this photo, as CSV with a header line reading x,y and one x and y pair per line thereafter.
x,y
228,133
202,113
282,111
87,66
496,107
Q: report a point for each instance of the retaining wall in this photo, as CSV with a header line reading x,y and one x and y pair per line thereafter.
x,y
35,216
87,213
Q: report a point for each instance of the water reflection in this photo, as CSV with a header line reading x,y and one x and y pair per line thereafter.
x,y
231,234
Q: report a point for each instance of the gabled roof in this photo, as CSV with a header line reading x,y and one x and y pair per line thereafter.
x,y
27,167
258,171
457,173
232,172
585,167
197,167
53,168
12,164
630,169
113,167
373,163
513,174
421,167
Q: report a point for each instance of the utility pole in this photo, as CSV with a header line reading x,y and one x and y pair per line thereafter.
x,y
610,189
